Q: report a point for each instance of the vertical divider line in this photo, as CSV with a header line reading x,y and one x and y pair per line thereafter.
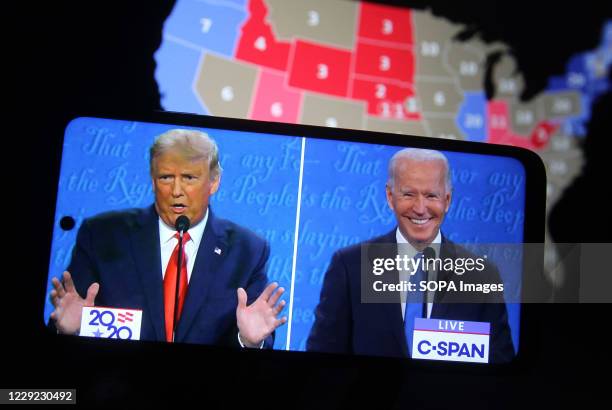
x,y
295,242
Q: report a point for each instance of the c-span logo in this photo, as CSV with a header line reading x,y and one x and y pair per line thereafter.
x,y
451,340
111,323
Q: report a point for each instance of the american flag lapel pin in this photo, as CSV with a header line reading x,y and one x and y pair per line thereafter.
x,y
218,251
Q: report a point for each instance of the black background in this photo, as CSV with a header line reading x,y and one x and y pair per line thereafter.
x,y
84,56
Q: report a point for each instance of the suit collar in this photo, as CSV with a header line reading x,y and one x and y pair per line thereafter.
x,y
392,312
145,249
211,255
447,250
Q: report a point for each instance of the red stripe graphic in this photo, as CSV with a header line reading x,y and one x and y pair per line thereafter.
x,y
125,317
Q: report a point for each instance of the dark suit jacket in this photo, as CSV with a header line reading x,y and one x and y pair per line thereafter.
x,y
343,324
120,251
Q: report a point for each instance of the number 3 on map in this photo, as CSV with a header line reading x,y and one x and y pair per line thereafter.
x,y
322,71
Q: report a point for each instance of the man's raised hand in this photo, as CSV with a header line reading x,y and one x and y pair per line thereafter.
x,y
69,304
258,320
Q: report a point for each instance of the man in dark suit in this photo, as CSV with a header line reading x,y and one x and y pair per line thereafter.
x,y
419,193
125,259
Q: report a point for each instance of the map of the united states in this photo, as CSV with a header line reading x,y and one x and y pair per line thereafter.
x,y
372,67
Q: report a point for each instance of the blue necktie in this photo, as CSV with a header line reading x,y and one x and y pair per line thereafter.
x,y
414,302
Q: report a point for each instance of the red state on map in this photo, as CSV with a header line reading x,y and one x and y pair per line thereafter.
x,y
498,122
384,62
386,100
542,134
257,42
320,68
274,101
385,23
498,125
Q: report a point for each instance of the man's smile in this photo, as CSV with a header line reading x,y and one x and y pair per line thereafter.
x,y
420,221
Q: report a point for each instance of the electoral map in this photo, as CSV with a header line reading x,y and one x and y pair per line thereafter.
x,y
374,67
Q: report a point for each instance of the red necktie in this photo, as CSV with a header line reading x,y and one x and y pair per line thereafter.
x,y
170,286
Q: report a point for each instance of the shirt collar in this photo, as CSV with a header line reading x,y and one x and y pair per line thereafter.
x,y
411,250
166,233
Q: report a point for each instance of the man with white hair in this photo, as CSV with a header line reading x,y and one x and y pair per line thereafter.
x,y
419,193
128,259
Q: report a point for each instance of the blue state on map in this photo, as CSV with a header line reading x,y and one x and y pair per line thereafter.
x,y
471,119
214,26
175,80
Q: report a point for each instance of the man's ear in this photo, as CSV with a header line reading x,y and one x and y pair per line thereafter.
x,y
389,193
214,186
449,196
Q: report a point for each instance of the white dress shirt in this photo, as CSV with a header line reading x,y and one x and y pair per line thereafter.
x,y
409,250
167,243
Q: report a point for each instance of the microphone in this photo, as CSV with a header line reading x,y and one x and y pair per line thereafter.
x,y
181,224
429,254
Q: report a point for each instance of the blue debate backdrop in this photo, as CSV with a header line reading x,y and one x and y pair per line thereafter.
x,y
105,166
